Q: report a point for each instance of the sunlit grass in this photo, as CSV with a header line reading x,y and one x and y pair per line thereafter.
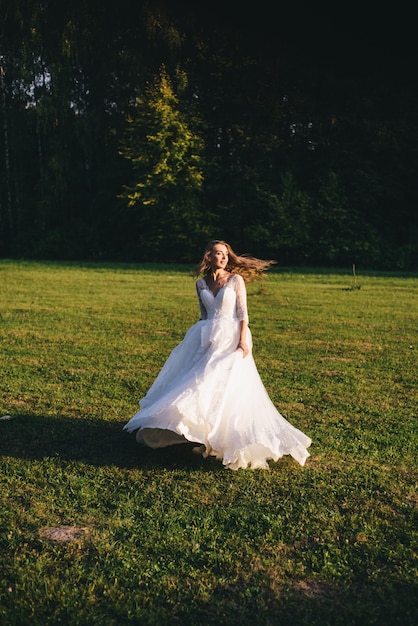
x,y
169,537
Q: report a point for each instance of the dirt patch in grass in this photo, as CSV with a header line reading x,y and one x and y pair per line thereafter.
x,y
63,533
314,588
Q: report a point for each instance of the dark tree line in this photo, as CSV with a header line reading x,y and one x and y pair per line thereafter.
x,y
137,130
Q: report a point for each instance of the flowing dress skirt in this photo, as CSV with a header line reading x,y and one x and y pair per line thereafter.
x,y
209,394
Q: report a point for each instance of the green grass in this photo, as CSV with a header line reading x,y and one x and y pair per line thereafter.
x,y
171,538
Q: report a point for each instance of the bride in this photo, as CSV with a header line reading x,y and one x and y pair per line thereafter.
x,y
209,391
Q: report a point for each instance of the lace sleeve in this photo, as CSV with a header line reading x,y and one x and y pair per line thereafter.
x,y
242,311
203,312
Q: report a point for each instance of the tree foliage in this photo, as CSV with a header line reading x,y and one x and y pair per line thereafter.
x,y
139,130
166,156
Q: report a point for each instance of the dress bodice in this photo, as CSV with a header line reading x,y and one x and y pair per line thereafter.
x,y
230,302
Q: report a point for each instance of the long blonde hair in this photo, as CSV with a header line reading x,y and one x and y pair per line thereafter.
x,y
249,267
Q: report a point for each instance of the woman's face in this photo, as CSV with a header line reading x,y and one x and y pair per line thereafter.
x,y
219,256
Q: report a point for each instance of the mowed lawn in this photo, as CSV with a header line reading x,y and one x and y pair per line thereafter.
x,y
166,537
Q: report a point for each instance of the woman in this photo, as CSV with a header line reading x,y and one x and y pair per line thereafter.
x,y
209,390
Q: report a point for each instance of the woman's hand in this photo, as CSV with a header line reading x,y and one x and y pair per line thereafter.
x,y
245,350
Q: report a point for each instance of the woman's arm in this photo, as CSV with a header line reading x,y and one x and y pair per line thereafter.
x,y
242,345
242,314
203,312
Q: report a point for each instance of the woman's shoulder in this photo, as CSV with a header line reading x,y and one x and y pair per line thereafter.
x,y
237,279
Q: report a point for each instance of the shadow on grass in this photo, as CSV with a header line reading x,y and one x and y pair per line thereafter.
x,y
92,441
351,604
114,266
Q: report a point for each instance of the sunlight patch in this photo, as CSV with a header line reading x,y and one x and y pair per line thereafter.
x,y
314,588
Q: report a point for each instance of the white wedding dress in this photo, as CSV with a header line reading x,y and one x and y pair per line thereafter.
x,y
208,393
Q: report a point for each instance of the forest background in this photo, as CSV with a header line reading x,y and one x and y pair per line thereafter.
x,y
137,130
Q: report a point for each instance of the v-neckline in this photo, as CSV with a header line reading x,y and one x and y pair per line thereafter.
x,y
220,288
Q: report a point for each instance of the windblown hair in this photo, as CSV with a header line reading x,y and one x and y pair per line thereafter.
x,y
249,267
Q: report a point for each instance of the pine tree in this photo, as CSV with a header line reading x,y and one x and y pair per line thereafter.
x,y
165,152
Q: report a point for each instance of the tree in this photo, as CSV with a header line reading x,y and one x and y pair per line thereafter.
x,y
162,203
239,144
336,234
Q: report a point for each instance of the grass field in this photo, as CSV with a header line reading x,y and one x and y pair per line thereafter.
x,y
166,537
